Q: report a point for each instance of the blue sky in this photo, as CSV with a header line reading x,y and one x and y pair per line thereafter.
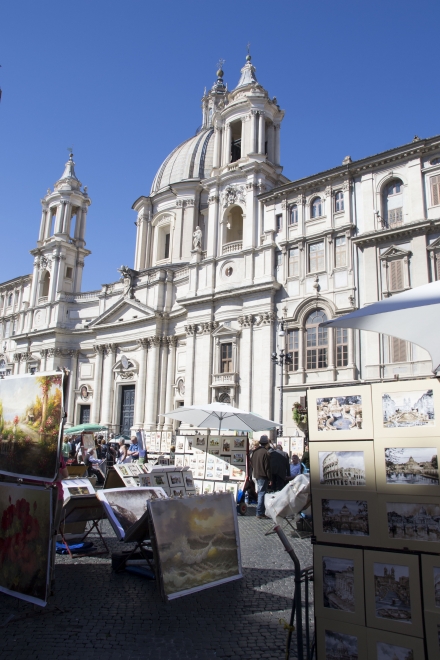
x,y
121,81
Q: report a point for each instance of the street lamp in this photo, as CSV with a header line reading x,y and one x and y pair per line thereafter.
x,y
281,359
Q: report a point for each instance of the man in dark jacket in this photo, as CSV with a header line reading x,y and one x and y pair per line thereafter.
x,y
262,473
279,466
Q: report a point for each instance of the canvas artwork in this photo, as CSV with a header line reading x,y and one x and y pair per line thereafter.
x,y
208,487
198,486
219,487
188,480
214,452
226,445
130,481
145,481
340,645
392,592
231,488
345,517
239,443
411,466
189,442
200,442
179,460
339,413
239,458
175,479
125,506
134,469
386,651
88,441
159,479
338,583
411,408
180,445
214,441
413,521
342,468
123,470
25,541
177,492
72,487
30,423
197,543
237,473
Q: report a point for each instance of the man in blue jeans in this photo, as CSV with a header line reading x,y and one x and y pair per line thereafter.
x,y
262,473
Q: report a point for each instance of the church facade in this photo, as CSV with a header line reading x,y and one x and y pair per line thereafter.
x,y
228,252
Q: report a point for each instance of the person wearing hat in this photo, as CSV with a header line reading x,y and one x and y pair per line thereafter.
x,y
262,473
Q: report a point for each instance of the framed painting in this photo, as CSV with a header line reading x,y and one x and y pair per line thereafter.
x,y
432,627
231,488
208,487
214,442
226,445
177,492
239,443
210,471
431,583
198,485
238,458
297,445
73,487
145,481
219,487
384,645
392,592
406,409
188,480
340,413
130,482
88,441
339,639
214,451
409,522
189,444
180,444
237,473
122,470
134,469
346,517
25,541
407,465
175,479
200,472
349,465
125,506
200,442
159,479
179,460
339,584
196,543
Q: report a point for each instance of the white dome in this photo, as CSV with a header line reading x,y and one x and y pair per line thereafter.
x,y
190,160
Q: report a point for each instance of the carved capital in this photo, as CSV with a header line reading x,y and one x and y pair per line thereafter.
x,y
328,191
212,199
99,349
172,340
111,348
143,342
284,204
17,357
54,352
44,353
246,321
155,341
347,185
190,329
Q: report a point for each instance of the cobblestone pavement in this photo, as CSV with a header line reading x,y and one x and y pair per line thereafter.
x,y
97,613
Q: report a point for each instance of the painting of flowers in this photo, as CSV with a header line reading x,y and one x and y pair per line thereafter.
x,y
30,421
25,515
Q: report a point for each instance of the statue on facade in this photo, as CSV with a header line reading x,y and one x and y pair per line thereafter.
x,y
128,276
197,238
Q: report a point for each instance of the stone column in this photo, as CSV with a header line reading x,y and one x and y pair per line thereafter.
x,y
271,143
107,384
96,405
227,158
331,353
171,368
78,222
302,357
139,401
35,282
252,145
54,277
190,330
43,354
243,137
276,135
261,133
211,241
215,159
74,354
152,383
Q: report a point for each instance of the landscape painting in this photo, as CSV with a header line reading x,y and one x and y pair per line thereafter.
x,y
345,517
338,583
342,468
392,652
339,645
411,465
25,541
405,409
30,423
413,521
197,542
342,413
125,506
392,592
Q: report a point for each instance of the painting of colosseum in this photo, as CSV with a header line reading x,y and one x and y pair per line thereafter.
x,y
342,468
341,413
412,466
404,409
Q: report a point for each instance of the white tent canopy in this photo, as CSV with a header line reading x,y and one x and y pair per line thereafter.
x,y
221,416
412,315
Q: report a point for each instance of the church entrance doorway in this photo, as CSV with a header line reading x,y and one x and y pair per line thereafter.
x,y
127,409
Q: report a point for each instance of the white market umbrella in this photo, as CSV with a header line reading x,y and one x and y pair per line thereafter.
x,y
221,415
412,316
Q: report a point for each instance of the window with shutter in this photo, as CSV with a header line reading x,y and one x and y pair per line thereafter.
x,y
316,257
435,190
399,350
395,217
293,262
293,349
396,275
340,252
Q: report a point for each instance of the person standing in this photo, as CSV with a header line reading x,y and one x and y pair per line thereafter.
x,y
133,450
66,449
279,465
262,473
122,454
296,467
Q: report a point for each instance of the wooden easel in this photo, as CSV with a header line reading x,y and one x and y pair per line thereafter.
x,y
84,508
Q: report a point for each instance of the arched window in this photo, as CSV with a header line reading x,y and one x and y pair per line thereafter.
x,y
234,227
393,203
293,218
317,207
339,201
316,340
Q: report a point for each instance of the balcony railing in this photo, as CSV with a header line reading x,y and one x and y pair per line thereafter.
x,y
235,246
229,378
42,299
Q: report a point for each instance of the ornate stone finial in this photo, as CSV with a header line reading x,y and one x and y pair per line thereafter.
x,y
248,56
220,72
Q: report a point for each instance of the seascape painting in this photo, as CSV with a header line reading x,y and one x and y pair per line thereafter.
x,y
338,583
342,468
25,541
392,593
30,422
404,409
339,645
412,466
392,652
413,521
342,413
125,506
345,517
197,542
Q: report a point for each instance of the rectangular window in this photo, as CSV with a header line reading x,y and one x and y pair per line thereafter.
x,y
341,347
293,217
226,359
279,221
294,262
395,217
340,252
317,339
396,275
316,257
339,201
167,246
69,272
293,349
278,259
435,190
84,414
398,350
7,329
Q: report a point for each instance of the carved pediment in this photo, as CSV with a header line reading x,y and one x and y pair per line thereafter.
x,y
225,331
435,245
126,310
395,252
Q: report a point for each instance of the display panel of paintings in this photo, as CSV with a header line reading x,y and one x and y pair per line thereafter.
x,y
432,627
181,529
409,522
72,487
340,413
384,645
343,464
407,465
200,442
431,583
339,639
406,409
180,444
179,460
25,541
392,592
125,506
339,584
345,517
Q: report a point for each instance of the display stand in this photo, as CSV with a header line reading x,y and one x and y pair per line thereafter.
x,y
77,470
84,508
140,535
112,479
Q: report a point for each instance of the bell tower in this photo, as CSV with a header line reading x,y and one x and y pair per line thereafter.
x,y
60,252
